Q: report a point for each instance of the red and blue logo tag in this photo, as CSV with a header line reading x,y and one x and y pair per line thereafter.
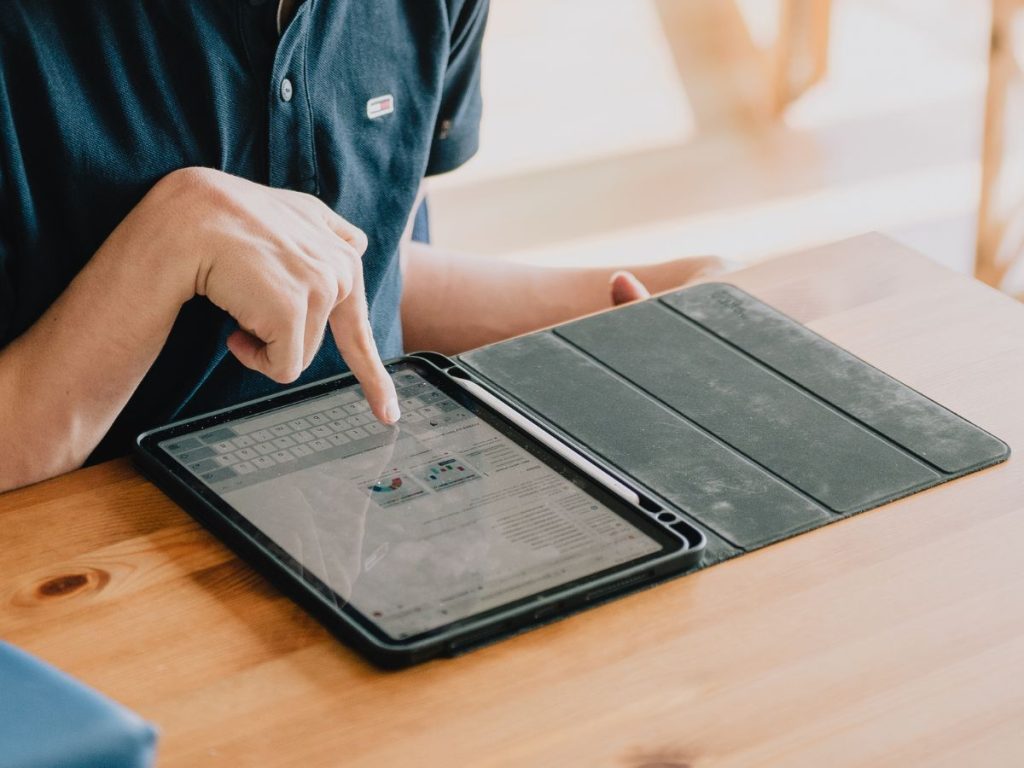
x,y
380,106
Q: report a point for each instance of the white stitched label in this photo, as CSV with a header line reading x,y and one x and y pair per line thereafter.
x,y
380,106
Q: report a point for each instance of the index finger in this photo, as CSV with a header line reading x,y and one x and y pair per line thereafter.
x,y
350,325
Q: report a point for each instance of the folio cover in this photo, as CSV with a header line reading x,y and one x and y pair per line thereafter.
x,y
749,423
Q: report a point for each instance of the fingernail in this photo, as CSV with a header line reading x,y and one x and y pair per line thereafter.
x,y
392,412
617,274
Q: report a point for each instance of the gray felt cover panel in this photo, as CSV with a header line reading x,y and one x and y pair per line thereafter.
x,y
752,425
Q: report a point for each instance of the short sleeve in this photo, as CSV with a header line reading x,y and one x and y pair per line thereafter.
x,y
457,132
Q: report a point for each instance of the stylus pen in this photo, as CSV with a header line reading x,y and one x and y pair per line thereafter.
x,y
555,445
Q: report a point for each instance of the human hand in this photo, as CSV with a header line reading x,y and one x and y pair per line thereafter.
x,y
639,282
281,263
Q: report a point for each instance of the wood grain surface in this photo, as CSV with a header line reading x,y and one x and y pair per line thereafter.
x,y
893,638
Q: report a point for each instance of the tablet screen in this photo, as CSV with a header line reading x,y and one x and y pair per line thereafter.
x,y
436,519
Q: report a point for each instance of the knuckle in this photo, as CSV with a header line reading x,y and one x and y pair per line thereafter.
x,y
354,259
323,278
341,251
310,200
346,283
318,311
326,295
196,183
191,177
359,240
319,297
312,350
347,272
284,316
286,373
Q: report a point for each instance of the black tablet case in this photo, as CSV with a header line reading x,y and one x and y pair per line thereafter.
x,y
751,425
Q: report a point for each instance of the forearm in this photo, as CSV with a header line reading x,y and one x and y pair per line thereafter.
x,y
281,263
452,302
63,381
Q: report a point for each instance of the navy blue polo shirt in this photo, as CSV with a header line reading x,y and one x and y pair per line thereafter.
x,y
354,102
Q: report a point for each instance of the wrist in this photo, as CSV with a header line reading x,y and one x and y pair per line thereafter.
x,y
150,249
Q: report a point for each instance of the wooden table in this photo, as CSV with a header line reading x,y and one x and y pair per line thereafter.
x,y
893,638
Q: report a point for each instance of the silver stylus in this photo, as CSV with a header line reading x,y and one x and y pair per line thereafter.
x,y
551,442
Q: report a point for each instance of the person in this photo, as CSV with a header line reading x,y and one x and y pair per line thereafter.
x,y
203,202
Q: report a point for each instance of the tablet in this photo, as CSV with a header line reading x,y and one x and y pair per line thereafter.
x,y
457,525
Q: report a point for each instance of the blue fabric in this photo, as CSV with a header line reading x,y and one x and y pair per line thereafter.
x,y
99,100
50,720
421,224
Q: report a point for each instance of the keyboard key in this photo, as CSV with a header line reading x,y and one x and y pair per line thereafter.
x,y
303,437
302,450
336,413
245,468
322,431
284,442
262,436
226,459
299,424
430,410
339,426
196,454
218,475
359,406
375,427
246,453
225,446
188,443
282,456
360,418
412,403
356,433
243,442
264,448
318,418
217,435
319,444
411,417
338,439
263,462
280,430
206,465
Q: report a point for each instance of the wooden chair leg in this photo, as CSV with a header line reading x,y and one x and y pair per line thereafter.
x,y
800,56
733,80
1000,245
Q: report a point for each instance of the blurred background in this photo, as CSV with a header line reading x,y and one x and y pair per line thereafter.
x,y
623,131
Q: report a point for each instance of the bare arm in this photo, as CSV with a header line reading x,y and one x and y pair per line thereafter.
x,y
67,377
279,262
452,302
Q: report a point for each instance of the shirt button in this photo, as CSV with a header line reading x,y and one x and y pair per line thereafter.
x,y
286,89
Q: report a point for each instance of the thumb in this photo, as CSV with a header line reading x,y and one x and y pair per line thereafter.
x,y
626,288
